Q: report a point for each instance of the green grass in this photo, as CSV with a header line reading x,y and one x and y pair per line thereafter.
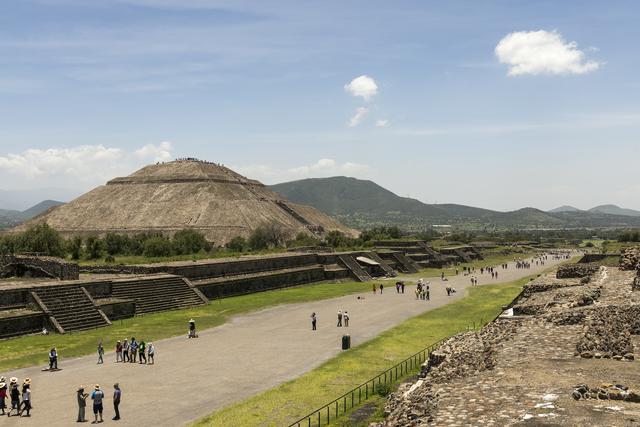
x,y
32,350
296,398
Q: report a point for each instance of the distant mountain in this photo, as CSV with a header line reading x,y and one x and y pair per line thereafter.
x,y
614,210
11,218
565,208
361,204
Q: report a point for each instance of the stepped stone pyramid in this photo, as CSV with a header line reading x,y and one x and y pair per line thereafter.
x,y
187,193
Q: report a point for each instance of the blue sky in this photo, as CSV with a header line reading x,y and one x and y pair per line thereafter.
x,y
92,89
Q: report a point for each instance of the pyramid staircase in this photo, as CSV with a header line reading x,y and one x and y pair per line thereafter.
x,y
69,308
158,293
385,267
462,254
352,265
406,264
429,250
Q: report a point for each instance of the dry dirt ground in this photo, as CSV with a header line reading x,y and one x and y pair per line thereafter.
x,y
537,368
247,355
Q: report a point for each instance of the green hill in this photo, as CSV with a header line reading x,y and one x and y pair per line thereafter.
x,y
362,204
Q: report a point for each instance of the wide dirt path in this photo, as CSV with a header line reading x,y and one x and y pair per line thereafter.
x,y
229,363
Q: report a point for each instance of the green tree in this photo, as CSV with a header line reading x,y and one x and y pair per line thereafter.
x,y
237,244
74,247
94,246
188,241
42,239
157,246
267,236
116,244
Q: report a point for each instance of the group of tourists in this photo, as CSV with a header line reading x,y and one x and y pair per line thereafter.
x,y
423,291
19,397
128,351
523,264
97,397
343,319
375,288
400,287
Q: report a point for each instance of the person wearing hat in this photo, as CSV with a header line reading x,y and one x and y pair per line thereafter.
x,y
97,397
3,395
15,396
117,395
26,397
133,350
119,352
82,404
142,353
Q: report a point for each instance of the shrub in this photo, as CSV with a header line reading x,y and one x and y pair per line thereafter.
x,y
237,244
109,259
157,246
383,389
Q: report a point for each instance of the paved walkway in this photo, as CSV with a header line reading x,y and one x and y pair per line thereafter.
x,y
229,363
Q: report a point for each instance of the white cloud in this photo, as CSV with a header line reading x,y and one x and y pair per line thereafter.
x,y
542,52
159,153
361,113
321,168
74,167
382,123
363,86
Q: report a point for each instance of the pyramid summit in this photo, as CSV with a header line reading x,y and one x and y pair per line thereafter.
x,y
185,193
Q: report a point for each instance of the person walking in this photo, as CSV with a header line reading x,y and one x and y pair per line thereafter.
x,y
151,352
345,316
3,395
381,288
82,404
339,325
117,395
142,351
118,352
192,329
53,359
100,353
97,397
15,396
26,398
133,350
374,289
125,350
314,321
402,286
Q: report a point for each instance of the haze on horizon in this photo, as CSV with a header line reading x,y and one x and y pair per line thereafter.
x,y
497,104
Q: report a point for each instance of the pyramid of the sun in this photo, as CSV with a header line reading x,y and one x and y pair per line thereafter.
x,y
167,197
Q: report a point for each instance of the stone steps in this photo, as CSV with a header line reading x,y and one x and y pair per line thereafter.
x,y
71,307
355,268
157,294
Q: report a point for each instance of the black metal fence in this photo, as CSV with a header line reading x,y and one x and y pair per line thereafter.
x,y
338,407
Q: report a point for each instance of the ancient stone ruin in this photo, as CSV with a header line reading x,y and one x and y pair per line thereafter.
x,y
188,193
561,352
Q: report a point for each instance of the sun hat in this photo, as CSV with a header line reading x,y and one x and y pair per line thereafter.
x,y
191,321
2,385
97,387
81,387
14,380
27,381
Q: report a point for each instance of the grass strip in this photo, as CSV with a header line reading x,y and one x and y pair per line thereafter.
x,y
285,403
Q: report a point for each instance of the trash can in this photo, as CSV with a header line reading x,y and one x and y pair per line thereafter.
x,y
346,342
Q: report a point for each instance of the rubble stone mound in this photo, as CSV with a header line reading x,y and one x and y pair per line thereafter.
x,y
189,193
572,271
630,259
